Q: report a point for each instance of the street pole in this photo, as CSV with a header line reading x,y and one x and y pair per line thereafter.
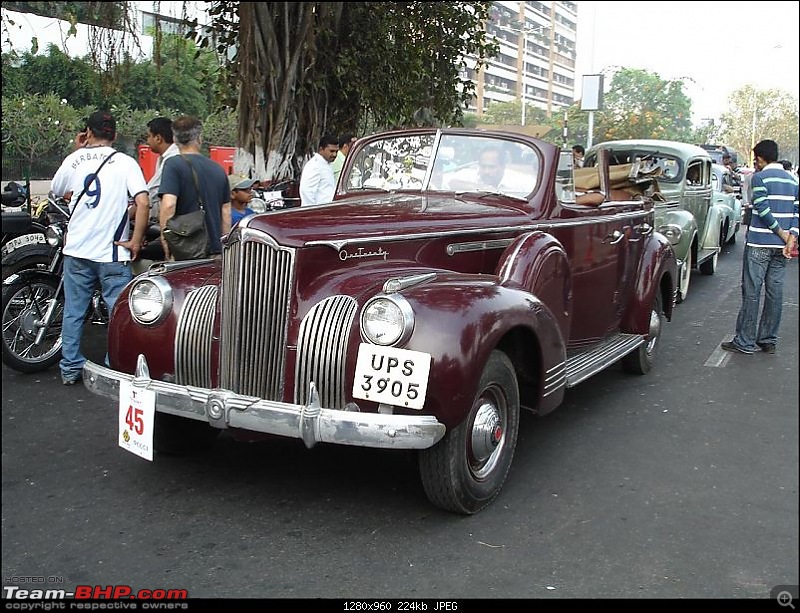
x,y
524,80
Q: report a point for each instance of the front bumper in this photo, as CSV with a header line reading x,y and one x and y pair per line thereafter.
x,y
312,423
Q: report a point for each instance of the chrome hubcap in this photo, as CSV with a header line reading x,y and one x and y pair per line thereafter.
x,y
487,438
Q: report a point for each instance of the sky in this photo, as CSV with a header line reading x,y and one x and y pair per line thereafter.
x,y
715,48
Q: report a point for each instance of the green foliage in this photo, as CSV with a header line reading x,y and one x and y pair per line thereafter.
x,y
314,67
755,115
510,114
640,104
51,73
38,126
177,77
219,128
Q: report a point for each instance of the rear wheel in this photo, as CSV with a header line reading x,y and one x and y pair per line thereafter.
x,y
466,469
641,361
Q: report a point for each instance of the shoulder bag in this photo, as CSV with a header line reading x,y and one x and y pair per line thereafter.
x,y
186,235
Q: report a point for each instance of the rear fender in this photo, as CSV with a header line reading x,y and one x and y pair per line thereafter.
x,y
538,263
30,275
658,272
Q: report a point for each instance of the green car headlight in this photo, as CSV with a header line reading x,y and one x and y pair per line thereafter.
x,y
672,233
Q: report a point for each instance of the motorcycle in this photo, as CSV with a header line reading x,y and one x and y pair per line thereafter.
x,y
24,224
33,304
276,196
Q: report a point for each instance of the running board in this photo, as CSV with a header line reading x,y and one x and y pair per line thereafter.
x,y
587,363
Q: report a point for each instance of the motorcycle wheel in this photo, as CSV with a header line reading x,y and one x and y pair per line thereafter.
x,y
23,304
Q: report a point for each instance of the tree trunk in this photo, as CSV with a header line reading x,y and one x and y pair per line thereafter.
x,y
281,112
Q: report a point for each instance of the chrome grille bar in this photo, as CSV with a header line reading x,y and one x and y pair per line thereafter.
x,y
193,337
321,351
256,281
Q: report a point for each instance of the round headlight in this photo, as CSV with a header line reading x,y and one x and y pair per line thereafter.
x,y
672,233
54,235
387,320
257,205
149,300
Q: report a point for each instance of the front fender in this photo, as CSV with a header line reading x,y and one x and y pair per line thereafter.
x,y
686,223
538,263
460,319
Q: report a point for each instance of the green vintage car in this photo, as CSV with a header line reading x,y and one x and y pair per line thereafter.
x,y
688,215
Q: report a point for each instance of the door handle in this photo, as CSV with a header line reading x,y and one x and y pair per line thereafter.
x,y
615,237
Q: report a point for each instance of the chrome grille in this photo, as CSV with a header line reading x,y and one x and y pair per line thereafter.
x,y
256,288
321,350
193,337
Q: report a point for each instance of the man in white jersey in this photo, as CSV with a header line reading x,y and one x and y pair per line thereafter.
x,y
98,248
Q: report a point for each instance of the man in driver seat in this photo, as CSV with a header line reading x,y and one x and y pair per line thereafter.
x,y
493,176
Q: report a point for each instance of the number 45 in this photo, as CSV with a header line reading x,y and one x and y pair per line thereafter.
x,y
134,420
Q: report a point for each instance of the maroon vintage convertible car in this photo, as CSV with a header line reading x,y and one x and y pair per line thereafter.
x,y
459,277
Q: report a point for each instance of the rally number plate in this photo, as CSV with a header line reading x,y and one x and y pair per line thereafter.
x,y
392,376
137,417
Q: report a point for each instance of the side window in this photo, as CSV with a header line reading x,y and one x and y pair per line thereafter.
x,y
694,174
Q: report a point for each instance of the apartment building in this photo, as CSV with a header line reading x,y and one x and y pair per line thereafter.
x,y
536,59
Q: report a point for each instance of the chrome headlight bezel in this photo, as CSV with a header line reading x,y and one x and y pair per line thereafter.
x,y
54,234
401,317
672,233
136,298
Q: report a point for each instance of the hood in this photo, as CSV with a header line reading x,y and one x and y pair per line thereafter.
x,y
386,215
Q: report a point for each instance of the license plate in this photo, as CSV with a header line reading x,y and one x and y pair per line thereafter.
x,y
21,241
392,376
137,417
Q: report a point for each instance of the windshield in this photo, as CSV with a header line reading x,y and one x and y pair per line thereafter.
x,y
454,163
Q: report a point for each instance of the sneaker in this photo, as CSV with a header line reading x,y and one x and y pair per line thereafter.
x,y
767,348
65,381
731,346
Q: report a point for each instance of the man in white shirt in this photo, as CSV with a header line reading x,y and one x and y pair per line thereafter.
x,y
97,249
317,184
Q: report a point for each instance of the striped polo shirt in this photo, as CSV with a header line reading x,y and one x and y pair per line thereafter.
x,y
774,205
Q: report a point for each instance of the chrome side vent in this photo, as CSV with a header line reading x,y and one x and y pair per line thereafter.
x,y
256,290
321,349
193,338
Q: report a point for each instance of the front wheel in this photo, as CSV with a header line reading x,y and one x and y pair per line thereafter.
x,y
24,306
466,469
685,276
641,361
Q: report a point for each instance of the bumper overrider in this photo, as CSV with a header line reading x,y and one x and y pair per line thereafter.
x,y
312,423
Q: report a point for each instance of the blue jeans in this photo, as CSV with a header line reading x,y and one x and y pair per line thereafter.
x,y
80,279
761,268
